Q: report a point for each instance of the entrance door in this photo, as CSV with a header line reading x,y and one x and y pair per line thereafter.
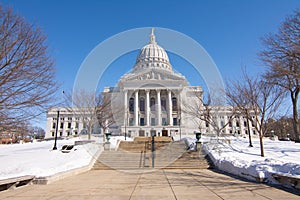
x,y
141,133
165,133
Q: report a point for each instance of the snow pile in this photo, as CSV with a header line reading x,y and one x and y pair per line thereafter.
x,y
39,159
236,157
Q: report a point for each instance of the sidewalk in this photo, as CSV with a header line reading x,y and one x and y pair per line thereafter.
x,y
161,184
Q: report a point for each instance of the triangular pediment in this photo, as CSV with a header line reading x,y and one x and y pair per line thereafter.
x,y
153,75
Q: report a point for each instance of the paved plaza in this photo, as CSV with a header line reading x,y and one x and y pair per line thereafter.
x,y
160,184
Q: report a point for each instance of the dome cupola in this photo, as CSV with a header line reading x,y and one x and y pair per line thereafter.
x,y
152,56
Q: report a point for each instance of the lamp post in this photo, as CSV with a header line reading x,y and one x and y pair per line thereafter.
x,y
152,148
56,129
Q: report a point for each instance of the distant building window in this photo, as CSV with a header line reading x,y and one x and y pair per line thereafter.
x,y
131,122
70,118
163,104
61,125
164,121
142,104
142,121
76,125
206,124
53,125
131,104
76,132
245,123
60,133
69,125
62,119
174,104
175,123
237,124
52,134
152,104
222,124
152,121
230,124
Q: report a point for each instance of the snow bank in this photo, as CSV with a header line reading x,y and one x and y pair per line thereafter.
x,y
239,159
39,159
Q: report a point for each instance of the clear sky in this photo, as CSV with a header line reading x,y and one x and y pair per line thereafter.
x,y
230,30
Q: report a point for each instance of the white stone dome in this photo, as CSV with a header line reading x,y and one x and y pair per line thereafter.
x,y
152,56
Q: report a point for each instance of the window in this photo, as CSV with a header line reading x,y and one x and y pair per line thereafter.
x,y
60,134
206,124
69,125
175,121
131,122
70,118
230,124
76,125
152,104
142,104
62,119
76,132
163,104
61,125
52,134
54,119
53,125
237,124
246,132
68,133
142,121
152,121
222,124
245,123
174,104
131,104
164,121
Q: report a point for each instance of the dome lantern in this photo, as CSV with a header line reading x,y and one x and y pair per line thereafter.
x,y
152,56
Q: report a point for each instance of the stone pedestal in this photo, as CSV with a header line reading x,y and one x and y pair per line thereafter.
x,y
107,146
198,146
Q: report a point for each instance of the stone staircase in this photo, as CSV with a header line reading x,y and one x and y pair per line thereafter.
x,y
137,155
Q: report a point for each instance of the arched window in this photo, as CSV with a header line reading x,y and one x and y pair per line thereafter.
x,y
163,104
152,104
142,104
131,104
174,104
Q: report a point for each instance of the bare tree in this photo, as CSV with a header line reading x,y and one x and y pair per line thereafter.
x,y
282,57
26,71
257,100
209,115
92,109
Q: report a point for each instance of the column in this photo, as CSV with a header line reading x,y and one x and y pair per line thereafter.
x,y
158,108
125,107
136,108
147,108
170,111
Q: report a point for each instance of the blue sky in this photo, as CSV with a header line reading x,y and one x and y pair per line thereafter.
x,y
230,30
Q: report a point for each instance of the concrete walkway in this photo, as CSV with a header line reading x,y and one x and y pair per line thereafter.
x,y
161,184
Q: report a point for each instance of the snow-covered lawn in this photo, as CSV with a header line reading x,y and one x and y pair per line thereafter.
x,y
39,159
281,157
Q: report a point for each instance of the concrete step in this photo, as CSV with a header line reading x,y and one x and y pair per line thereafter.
x,y
171,155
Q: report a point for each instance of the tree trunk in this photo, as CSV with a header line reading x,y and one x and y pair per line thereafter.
x,y
262,152
295,117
